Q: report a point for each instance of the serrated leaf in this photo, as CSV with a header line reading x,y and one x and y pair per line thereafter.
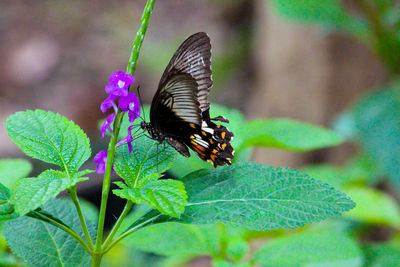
x,y
7,211
13,169
260,198
41,244
147,161
29,193
311,249
49,137
373,207
176,239
167,196
289,135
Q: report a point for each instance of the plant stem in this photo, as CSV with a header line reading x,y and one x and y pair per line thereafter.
x,y
67,230
137,43
127,209
130,231
74,196
107,181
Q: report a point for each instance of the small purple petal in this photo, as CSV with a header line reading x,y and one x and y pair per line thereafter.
x,y
106,125
114,89
116,76
119,83
101,160
129,79
108,103
128,139
130,103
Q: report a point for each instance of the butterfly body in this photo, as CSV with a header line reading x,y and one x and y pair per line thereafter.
x,y
179,112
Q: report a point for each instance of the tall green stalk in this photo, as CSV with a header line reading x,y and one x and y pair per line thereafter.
x,y
137,43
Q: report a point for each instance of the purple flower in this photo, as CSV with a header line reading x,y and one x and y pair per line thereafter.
x,y
119,83
101,160
108,103
128,139
131,104
106,125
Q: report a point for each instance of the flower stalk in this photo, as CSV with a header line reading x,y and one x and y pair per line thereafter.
x,y
137,43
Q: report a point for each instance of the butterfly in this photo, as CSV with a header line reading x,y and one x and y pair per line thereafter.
x,y
180,111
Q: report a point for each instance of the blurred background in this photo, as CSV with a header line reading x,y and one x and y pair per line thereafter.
x,y
308,60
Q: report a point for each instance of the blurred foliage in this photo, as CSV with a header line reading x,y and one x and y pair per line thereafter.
x,y
373,124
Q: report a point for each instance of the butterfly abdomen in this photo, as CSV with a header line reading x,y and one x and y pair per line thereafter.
x,y
211,143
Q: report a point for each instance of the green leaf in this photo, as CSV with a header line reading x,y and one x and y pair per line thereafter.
x,y
13,169
50,138
260,198
29,193
383,255
7,259
377,122
41,244
176,239
359,170
311,249
90,210
327,173
373,207
143,163
167,196
289,135
328,13
183,166
237,248
7,211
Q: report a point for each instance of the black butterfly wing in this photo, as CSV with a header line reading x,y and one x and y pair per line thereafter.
x,y
180,108
175,104
193,57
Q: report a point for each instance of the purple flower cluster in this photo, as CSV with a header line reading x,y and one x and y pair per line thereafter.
x,y
117,88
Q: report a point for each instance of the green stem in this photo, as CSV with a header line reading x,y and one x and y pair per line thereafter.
x,y
74,196
96,259
127,209
67,230
107,181
137,43
130,231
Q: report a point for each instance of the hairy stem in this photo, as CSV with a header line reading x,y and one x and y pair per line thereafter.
x,y
107,181
130,231
127,209
63,227
137,43
74,196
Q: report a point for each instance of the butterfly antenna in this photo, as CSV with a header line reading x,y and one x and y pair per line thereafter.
x,y
141,106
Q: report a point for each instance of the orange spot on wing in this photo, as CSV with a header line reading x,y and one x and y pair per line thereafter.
x,y
223,146
213,157
192,125
203,133
223,135
211,141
